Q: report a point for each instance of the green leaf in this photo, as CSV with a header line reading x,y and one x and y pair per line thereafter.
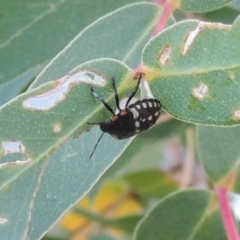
x,y
126,223
102,237
35,31
146,148
58,179
235,4
225,15
203,5
134,23
53,238
218,150
16,86
182,215
211,227
196,70
151,183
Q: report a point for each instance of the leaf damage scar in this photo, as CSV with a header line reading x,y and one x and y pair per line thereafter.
x,y
200,27
201,91
3,220
236,114
10,147
165,56
51,98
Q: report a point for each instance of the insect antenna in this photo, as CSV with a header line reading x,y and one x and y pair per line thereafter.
x,y
96,146
134,91
101,100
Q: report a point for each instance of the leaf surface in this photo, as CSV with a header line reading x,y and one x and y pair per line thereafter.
x,y
218,150
197,69
182,215
43,181
202,6
33,32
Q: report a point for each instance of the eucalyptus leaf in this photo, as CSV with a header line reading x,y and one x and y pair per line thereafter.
x,y
218,150
121,35
33,32
202,6
61,177
197,68
126,223
182,215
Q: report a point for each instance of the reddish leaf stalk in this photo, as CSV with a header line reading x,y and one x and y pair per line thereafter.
x,y
168,8
159,2
227,216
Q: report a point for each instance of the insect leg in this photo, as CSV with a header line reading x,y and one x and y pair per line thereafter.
x,y
116,94
101,100
134,91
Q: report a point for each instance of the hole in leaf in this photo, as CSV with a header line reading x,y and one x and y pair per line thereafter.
x,y
201,91
14,154
51,98
236,114
3,220
165,55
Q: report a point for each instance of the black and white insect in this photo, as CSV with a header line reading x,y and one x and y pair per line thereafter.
x,y
130,120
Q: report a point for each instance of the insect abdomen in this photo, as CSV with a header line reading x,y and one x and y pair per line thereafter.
x,y
145,113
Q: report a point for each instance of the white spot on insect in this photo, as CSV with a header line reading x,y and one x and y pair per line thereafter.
x,y
138,106
137,124
57,128
135,113
156,113
13,147
150,104
201,91
145,90
51,98
3,220
155,104
236,114
144,105
144,119
149,118
165,55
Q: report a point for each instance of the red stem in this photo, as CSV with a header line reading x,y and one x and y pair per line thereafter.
x,y
159,2
168,8
227,216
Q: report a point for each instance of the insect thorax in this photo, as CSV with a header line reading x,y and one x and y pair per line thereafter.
x,y
121,125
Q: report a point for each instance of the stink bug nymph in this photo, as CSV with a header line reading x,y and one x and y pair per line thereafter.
x,y
132,119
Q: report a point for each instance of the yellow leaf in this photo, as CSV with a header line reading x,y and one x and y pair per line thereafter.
x,y
73,221
109,195
129,206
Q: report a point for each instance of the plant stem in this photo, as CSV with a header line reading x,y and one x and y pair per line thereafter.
x,y
227,216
